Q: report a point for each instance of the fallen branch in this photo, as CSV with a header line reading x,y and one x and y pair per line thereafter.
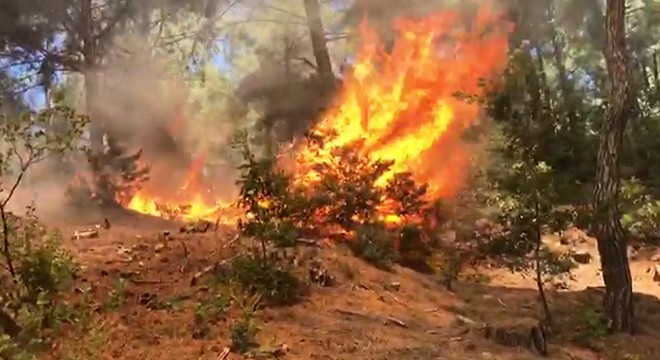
x,y
397,322
394,297
225,352
307,242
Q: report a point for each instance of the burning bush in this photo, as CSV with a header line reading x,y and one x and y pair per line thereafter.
x,y
383,221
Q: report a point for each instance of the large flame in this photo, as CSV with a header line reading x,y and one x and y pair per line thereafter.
x,y
189,203
403,105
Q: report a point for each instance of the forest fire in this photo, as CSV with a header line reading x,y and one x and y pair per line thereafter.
x,y
403,106
188,203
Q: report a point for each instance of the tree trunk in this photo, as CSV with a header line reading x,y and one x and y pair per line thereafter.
x,y
92,77
612,244
319,44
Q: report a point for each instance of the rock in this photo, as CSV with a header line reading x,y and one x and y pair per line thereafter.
x,y
159,247
582,257
560,284
86,234
197,227
123,251
394,286
656,273
656,257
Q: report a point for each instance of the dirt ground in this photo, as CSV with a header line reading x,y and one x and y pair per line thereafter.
x,y
366,314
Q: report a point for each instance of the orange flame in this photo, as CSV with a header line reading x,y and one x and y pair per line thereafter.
x,y
188,204
403,105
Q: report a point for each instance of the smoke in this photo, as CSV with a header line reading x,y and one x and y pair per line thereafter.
x,y
146,106
149,102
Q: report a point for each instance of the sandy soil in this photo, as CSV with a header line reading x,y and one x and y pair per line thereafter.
x,y
366,314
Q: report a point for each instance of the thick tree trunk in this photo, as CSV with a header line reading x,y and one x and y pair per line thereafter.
x,y
612,244
319,43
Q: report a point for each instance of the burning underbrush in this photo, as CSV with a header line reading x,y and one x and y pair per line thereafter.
x,y
382,222
374,166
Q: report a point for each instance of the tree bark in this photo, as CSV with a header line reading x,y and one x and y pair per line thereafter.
x,y
319,43
91,76
612,243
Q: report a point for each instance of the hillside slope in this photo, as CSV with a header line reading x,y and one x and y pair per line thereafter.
x,y
366,313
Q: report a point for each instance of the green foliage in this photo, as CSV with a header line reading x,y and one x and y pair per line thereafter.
x,y
35,268
116,176
591,323
640,211
265,194
346,201
375,244
268,277
243,334
528,207
209,312
117,295
211,309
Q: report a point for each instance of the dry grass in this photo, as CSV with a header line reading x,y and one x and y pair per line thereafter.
x,y
367,314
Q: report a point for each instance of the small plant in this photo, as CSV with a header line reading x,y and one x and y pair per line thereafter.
x,y
275,282
591,324
375,244
641,212
243,335
268,201
207,313
212,309
117,295
385,221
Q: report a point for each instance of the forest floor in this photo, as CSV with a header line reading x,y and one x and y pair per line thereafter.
x,y
366,314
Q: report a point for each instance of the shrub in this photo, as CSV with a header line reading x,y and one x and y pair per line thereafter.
x,y
243,335
640,211
384,221
375,244
35,269
276,283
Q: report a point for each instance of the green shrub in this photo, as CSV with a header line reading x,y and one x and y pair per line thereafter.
x,y
243,335
347,199
275,282
375,244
